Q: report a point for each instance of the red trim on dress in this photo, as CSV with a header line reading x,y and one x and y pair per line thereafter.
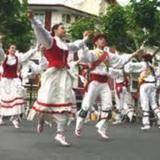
x,y
54,105
51,112
18,98
3,106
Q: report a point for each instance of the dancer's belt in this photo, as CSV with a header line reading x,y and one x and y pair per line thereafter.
x,y
149,81
98,77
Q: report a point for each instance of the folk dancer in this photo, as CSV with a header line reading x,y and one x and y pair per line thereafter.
x,y
123,98
100,59
147,89
54,101
12,101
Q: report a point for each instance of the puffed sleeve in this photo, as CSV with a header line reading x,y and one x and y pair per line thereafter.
x,y
23,57
115,73
135,67
118,61
85,55
42,35
78,44
38,68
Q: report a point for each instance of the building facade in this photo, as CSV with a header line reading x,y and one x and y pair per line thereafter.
x,y
52,13
96,7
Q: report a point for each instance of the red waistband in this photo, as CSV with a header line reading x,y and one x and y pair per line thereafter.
x,y
9,76
99,78
120,84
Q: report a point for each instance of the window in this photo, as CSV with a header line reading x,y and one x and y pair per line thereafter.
x,y
77,17
66,18
40,16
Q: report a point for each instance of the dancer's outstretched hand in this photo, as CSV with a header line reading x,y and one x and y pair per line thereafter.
x,y
138,53
88,34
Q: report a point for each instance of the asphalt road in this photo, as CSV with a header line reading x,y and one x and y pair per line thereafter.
x,y
127,143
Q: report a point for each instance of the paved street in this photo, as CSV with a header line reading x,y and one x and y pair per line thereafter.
x,y
127,143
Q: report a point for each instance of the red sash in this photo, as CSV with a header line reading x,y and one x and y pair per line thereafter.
x,y
99,78
119,88
97,62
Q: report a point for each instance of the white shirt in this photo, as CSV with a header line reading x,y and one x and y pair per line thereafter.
x,y
45,38
139,67
113,60
117,75
22,57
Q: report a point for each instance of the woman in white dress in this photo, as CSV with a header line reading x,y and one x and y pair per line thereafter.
x,y
12,100
54,101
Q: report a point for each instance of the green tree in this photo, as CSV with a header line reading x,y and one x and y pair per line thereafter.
x,y
126,27
115,25
83,24
147,19
15,25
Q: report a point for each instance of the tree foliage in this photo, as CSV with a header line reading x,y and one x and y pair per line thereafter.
x,y
15,25
147,20
126,27
81,25
115,25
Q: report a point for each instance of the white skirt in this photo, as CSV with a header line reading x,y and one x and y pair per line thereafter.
x,y
12,95
55,95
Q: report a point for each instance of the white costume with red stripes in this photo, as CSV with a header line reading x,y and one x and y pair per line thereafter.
x,y
54,101
12,97
12,100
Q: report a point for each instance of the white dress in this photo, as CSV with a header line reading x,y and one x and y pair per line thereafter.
x,y
55,95
12,99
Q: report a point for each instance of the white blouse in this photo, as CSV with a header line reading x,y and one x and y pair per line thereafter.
x,y
22,57
139,67
117,75
113,60
44,37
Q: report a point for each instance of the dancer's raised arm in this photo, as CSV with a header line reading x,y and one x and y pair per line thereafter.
x,y
43,36
23,57
79,44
